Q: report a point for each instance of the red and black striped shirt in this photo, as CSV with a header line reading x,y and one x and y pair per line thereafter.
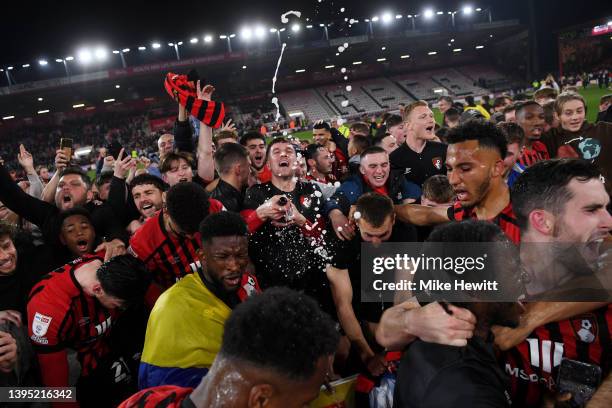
x,y
533,365
166,256
506,220
61,315
164,396
537,153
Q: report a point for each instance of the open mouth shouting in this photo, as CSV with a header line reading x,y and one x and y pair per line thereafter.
x,y
283,163
82,246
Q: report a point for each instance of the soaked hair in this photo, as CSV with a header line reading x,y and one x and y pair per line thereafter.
x,y
374,208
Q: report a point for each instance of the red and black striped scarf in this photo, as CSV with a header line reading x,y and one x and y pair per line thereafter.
x,y
183,91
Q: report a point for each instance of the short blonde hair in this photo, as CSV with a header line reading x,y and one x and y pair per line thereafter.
x,y
408,109
565,97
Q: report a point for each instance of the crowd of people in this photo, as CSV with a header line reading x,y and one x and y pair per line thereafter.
x,y
226,270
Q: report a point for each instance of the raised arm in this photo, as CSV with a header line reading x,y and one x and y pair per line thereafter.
x,y
206,164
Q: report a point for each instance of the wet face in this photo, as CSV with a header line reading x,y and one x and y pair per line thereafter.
x,y
376,235
572,115
511,157
71,192
8,255
470,170
282,160
257,152
375,169
585,220
398,132
443,105
421,122
321,136
148,199
165,144
389,143
225,260
77,234
531,119
298,394
180,171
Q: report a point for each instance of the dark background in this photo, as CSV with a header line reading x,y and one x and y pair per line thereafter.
x,y
52,29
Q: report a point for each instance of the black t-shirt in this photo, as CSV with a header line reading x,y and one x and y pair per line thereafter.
x,y
347,255
231,198
285,256
435,375
418,167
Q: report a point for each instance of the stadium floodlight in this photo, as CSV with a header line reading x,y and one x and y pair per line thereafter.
x,y
457,50
142,48
404,56
8,117
309,26
109,100
171,44
260,32
42,62
101,53
40,112
116,51
478,9
244,67
440,13
232,35
85,56
398,16
246,33
208,38
59,60
387,18
329,66
9,68
69,58
25,65
223,36
297,71
383,48
428,14
117,86
432,53
467,10
375,19
295,28
40,99
193,40
381,59
282,29
357,62
78,105
479,47
125,50
273,30
156,45
321,25
179,43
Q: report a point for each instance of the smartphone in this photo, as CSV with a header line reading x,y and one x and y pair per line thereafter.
x,y
66,146
134,154
578,378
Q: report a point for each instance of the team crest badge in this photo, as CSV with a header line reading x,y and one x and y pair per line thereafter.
x,y
437,162
585,327
40,324
305,201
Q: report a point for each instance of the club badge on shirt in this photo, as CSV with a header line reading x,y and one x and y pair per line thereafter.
x,y
585,327
40,324
437,162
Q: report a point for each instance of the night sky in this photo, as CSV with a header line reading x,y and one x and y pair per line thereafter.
x,y
54,29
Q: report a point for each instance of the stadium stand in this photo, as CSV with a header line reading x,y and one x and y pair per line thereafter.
x,y
457,84
486,77
419,85
384,92
358,101
308,102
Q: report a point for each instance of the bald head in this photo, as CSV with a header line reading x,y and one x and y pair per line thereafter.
x,y
165,144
